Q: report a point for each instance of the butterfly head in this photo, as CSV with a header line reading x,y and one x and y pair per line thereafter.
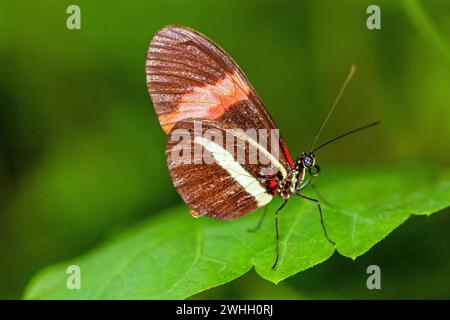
x,y
308,162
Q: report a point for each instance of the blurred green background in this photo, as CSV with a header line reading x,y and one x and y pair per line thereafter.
x,y
82,154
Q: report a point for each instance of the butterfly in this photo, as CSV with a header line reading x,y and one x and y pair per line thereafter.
x,y
198,90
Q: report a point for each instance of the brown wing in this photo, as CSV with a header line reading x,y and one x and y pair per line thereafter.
x,y
212,178
189,77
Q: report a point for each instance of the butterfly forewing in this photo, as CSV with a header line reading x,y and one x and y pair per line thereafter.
x,y
190,78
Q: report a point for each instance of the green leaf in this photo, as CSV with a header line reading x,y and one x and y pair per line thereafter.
x,y
175,256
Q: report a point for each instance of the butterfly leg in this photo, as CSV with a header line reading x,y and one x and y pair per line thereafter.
x,y
321,216
304,185
313,185
260,220
277,234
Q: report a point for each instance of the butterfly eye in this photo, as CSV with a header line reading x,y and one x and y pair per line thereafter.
x,y
314,171
308,162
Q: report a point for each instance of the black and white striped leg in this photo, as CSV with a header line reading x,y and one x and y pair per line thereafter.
x,y
321,216
277,234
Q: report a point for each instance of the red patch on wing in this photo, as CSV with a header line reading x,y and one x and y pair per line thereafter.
x,y
207,102
272,186
286,153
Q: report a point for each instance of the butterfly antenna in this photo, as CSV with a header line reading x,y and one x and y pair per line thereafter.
x,y
338,97
347,133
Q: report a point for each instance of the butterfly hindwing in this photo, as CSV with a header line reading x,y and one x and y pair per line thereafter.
x,y
215,178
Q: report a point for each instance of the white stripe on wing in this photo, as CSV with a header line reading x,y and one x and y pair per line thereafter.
x,y
223,158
